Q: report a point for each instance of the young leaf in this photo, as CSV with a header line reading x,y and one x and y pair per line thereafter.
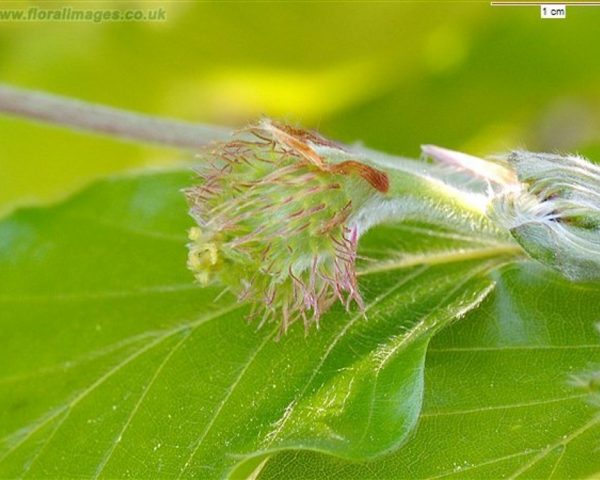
x,y
114,363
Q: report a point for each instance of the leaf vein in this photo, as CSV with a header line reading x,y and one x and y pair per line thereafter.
x,y
69,405
226,398
504,407
136,407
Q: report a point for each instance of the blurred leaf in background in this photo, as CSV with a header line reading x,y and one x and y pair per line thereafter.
x,y
393,75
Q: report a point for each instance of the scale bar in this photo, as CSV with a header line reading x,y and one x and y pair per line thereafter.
x,y
540,4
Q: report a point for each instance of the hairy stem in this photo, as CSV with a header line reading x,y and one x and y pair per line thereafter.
x,y
80,115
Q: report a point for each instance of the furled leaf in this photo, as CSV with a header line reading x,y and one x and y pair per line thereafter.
x,y
114,363
508,392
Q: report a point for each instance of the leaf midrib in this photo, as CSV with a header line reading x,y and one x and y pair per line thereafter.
x,y
446,257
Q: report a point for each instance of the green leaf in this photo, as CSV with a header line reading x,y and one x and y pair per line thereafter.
x,y
113,363
500,399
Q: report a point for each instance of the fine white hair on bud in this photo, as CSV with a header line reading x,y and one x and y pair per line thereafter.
x,y
277,222
554,212
549,203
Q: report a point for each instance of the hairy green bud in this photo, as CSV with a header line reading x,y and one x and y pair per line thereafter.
x,y
554,212
278,223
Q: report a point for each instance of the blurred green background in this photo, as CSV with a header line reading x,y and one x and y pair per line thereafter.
x,y
392,75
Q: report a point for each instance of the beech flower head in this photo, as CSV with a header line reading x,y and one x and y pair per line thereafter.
x,y
276,221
